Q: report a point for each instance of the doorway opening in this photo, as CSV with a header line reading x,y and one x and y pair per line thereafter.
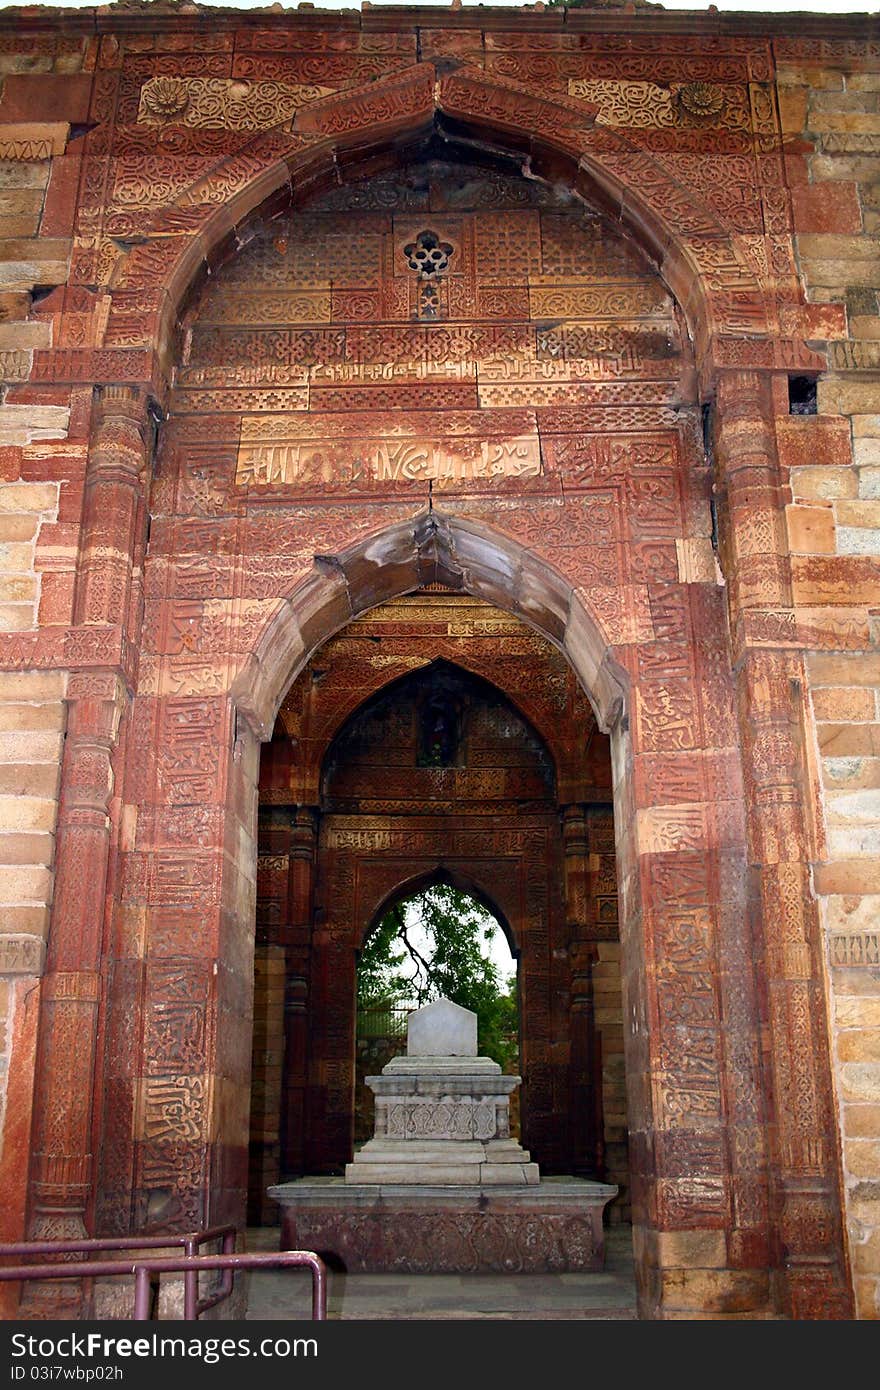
x,y
358,819
438,942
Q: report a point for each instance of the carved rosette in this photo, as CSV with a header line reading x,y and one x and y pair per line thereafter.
x,y
701,101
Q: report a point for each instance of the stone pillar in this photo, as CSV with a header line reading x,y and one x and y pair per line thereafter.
x,y
112,540
585,1067
297,941
805,1196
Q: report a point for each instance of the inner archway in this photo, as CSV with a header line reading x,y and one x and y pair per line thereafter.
x,y
438,941
392,814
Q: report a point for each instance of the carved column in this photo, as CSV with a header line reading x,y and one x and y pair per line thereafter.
x,y
805,1193
585,1091
297,942
111,546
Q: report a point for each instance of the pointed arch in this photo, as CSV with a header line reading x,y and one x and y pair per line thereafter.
x,y
433,547
554,138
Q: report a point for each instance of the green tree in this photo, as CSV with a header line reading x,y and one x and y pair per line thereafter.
x,y
447,959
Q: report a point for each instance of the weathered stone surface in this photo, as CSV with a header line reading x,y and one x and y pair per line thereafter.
x,y
372,366
441,1029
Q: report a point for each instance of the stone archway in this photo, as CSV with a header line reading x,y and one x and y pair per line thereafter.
x,y
485,816
658,667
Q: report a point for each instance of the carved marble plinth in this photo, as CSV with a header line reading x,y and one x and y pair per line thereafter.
x,y
551,1227
442,1112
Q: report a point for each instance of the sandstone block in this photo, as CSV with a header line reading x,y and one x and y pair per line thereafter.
x,y
27,746
16,617
812,440
834,703
858,514
848,876
858,540
869,483
19,686
824,483
24,884
858,1013
851,772
860,1081
25,335
26,848
28,497
810,529
861,1121
18,526
859,1045
26,813
815,212
842,668
853,841
20,588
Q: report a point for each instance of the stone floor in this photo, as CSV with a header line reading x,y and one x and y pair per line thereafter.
x,y
610,1294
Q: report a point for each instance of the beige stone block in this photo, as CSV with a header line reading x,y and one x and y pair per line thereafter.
x,y
840,773
849,842
858,513
19,686
823,246
29,746
863,82
861,1158
838,274
864,326
18,174
859,1045
848,876
866,1258
27,848
866,426
817,78
28,883
860,1081
834,703
857,122
25,336
709,1292
30,779
824,483
858,1013
810,530
839,668
869,483
691,1249
49,715
16,617
16,557
842,396
858,540
26,813
866,451
18,588
25,919
845,166
18,526
853,913
867,1296
46,138
861,1121
31,497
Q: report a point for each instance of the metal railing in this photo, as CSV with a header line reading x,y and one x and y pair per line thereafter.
x,y
190,1266
190,1242
382,1021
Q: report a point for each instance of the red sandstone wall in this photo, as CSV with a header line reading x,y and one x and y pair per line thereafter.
x,y
716,139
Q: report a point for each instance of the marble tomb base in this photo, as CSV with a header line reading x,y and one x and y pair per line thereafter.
x,y
554,1226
